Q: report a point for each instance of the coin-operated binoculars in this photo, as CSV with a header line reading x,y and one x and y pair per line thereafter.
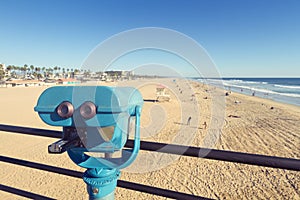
x,y
96,123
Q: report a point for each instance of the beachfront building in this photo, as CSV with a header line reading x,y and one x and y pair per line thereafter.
x,y
67,81
118,75
105,76
23,83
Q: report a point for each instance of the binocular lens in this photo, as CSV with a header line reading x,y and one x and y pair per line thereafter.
x,y
88,110
65,109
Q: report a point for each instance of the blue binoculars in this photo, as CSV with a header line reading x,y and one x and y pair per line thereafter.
x,y
96,121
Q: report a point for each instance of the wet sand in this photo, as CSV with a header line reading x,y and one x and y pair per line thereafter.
x,y
236,122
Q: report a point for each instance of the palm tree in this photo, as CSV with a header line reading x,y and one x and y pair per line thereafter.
x,y
28,69
24,69
8,69
14,68
76,71
55,70
2,74
63,72
32,68
46,72
68,74
49,71
18,69
39,73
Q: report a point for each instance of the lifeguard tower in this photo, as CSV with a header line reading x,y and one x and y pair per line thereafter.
x,y
162,94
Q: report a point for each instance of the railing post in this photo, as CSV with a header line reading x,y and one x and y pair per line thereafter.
x,y
101,183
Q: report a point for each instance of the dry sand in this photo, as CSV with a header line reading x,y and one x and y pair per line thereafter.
x,y
258,129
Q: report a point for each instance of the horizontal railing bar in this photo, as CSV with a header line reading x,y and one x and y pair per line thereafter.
x,y
31,131
158,191
23,193
40,166
121,183
222,155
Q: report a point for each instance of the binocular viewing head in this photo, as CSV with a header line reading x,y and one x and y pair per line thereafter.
x,y
94,119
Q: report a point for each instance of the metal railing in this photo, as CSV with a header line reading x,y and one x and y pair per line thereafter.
x,y
221,155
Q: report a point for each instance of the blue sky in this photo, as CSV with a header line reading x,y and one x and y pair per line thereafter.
x,y
248,38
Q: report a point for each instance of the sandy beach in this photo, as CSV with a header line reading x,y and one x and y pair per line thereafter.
x,y
236,122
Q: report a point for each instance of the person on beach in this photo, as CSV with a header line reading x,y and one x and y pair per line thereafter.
x,y
205,125
189,121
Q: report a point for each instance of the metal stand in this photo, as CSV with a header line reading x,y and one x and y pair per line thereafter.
x,y
101,183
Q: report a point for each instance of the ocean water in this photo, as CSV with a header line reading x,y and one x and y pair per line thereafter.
x,y
286,90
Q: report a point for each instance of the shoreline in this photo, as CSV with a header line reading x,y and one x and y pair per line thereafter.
x,y
270,101
272,97
266,88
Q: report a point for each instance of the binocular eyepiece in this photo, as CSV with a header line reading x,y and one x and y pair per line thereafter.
x,y
66,110
87,110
